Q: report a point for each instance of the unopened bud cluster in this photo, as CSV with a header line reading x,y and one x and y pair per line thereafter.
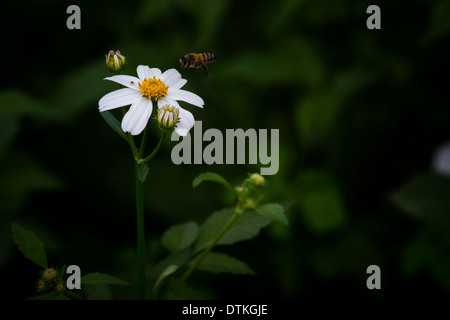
x,y
246,192
50,281
115,61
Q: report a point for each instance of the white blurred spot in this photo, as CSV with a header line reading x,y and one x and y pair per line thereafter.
x,y
441,159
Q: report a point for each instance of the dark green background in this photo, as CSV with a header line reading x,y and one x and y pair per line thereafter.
x,y
359,111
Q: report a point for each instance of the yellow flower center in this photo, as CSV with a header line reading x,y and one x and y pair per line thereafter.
x,y
153,88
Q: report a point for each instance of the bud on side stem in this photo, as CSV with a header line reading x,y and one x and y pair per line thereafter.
x,y
115,61
168,117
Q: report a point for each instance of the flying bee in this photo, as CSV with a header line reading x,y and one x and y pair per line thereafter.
x,y
197,60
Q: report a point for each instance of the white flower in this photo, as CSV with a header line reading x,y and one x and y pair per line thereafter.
x,y
152,85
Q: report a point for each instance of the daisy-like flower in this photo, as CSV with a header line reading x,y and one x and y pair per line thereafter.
x,y
150,86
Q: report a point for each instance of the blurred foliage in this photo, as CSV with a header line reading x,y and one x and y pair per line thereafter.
x,y
359,112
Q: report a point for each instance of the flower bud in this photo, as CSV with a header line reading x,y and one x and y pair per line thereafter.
x,y
41,285
168,117
60,287
256,179
115,61
249,204
49,274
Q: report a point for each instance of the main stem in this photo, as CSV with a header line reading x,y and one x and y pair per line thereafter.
x,y
140,234
212,244
140,208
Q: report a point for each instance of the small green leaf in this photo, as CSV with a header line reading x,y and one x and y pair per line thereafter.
x,y
102,278
211,176
166,268
273,211
218,262
245,227
167,272
425,196
30,245
16,103
143,172
114,124
180,236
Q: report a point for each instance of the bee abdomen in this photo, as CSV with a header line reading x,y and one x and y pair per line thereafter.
x,y
209,57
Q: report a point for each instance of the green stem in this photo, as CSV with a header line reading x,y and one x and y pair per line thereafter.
x,y
142,161
140,235
141,252
143,143
202,256
133,146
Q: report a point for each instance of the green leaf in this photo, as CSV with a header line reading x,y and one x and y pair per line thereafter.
x,y
15,103
273,211
79,90
218,262
114,124
180,236
30,245
245,227
428,252
425,196
167,272
102,278
143,172
211,176
164,269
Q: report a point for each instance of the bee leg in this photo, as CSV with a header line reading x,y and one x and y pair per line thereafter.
x,y
205,69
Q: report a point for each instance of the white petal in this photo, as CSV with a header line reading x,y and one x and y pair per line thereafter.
x,y
137,117
170,77
127,81
156,73
165,101
186,96
186,122
144,72
179,84
119,98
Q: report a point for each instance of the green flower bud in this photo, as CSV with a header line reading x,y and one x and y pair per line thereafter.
x,y
60,287
168,117
49,274
41,285
249,204
115,61
257,179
